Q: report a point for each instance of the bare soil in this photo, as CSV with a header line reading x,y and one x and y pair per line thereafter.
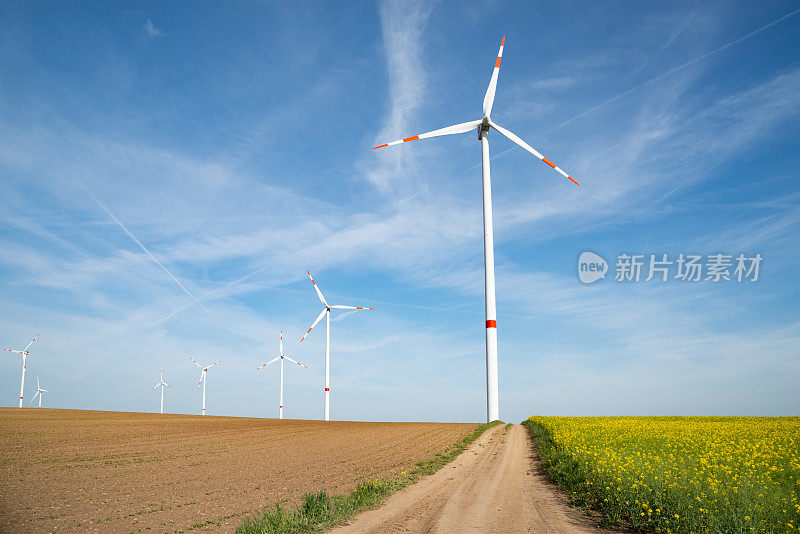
x,y
71,470
496,485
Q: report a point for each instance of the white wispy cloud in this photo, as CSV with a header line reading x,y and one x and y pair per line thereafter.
x,y
151,30
402,24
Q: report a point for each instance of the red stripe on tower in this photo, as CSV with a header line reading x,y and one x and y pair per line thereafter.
x,y
327,389
491,323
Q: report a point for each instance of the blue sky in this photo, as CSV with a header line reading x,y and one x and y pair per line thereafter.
x,y
233,141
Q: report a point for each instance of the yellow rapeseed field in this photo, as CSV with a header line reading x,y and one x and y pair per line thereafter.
x,y
679,474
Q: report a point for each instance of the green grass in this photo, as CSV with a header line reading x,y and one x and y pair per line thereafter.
x,y
320,510
715,475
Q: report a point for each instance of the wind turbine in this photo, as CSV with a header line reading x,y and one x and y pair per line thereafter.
x,y
327,313
483,125
203,371
39,392
24,353
281,357
161,384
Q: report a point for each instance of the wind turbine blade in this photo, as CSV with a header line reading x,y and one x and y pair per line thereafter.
x,y
513,137
202,376
298,363
154,387
44,390
352,308
31,343
275,359
34,397
449,130
37,383
195,362
12,350
170,387
281,342
319,293
488,100
213,364
319,318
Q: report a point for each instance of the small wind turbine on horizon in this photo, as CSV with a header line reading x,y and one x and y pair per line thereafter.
x,y
39,392
483,126
203,372
24,353
327,313
281,357
161,384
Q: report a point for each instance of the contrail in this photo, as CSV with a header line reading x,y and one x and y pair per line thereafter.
x,y
205,295
659,77
676,69
141,246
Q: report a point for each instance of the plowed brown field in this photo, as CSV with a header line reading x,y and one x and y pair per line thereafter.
x,y
70,470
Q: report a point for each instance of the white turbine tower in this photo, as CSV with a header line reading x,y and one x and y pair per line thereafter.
x,y
281,357
483,125
162,384
203,371
24,353
39,392
327,313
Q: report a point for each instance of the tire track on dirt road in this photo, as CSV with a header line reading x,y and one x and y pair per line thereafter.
x,y
496,485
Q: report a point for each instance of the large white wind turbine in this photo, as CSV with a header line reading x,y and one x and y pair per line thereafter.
x,y
39,392
281,357
327,313
203,372
162,384
483,125
24,353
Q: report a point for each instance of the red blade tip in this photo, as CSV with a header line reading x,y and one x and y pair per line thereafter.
x,y
380,146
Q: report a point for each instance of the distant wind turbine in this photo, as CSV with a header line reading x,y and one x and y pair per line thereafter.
x,y
203,372
24,353
327,313
163,384
281,357
483,125
39,392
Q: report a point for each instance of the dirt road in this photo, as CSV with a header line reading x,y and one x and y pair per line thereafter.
x,y
494,486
